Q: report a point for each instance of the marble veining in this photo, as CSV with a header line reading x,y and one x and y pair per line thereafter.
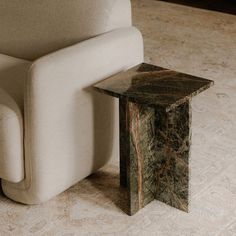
x,y
154,86
155,133
154,154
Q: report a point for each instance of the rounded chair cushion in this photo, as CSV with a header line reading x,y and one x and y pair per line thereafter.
x,y
11,139
13,72
31,29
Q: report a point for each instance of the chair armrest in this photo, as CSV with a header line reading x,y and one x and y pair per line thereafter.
x,y
69,129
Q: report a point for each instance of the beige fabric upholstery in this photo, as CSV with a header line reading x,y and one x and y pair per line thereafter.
x,y
11,140
70,129
32,28
13,72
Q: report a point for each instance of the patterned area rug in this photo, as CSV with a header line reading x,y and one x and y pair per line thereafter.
x,y
193,41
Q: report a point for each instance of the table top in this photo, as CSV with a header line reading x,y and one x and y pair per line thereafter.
x,y
153,86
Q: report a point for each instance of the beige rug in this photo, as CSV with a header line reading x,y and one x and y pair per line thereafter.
x,y
190,40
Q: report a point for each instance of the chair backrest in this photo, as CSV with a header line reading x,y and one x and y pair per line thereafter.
x,y
32,28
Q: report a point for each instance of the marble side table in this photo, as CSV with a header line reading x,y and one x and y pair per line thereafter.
x,y
155,133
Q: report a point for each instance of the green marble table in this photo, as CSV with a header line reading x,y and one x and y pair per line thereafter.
x,y
155,133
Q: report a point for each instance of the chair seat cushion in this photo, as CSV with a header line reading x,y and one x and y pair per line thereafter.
x,y
13,72
11,139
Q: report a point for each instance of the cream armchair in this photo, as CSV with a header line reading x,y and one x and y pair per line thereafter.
x,y
54,130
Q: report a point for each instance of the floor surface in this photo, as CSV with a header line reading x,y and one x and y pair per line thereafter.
x,y
194,41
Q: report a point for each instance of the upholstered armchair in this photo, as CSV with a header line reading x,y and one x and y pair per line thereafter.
x,y
54,129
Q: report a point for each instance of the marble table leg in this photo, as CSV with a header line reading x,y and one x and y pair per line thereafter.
x,y
154,154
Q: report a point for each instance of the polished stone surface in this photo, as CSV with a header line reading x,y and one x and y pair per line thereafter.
x,y
154,155
176,37
155,133
153,85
